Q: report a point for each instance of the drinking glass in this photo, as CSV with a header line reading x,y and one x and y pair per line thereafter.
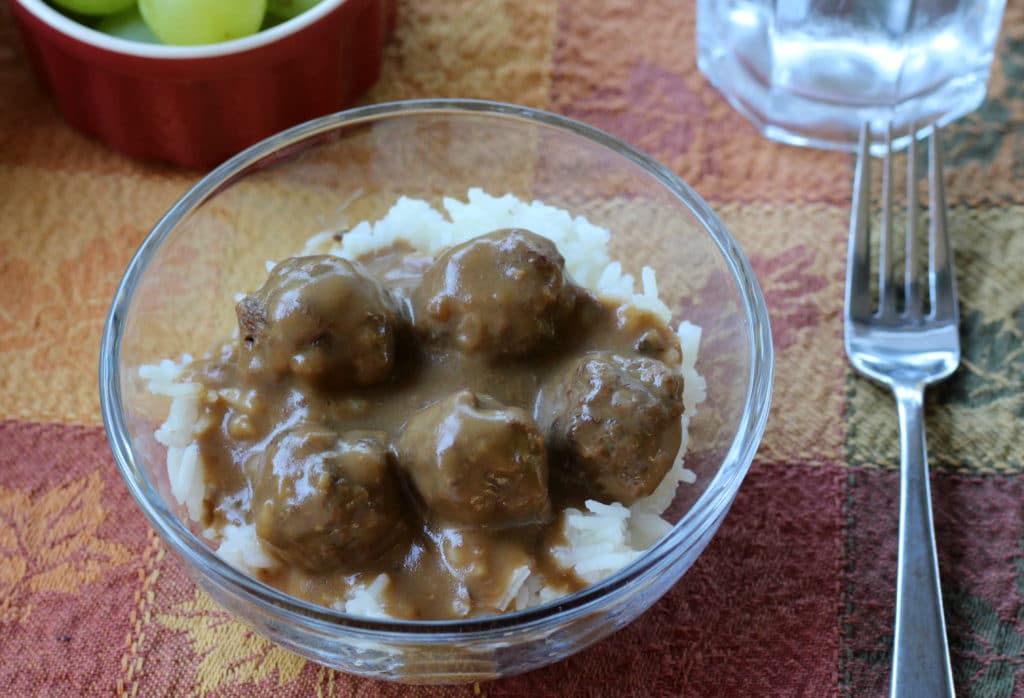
x,y
811,72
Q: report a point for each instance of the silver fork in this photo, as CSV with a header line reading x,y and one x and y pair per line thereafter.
x,y
907,350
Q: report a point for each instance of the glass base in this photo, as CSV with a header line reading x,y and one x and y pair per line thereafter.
x,y
797,120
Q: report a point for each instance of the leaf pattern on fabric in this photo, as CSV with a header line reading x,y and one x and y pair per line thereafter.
x,y
228,652
983,148
51,545
982,135
992,362
51,333
987,650
792,280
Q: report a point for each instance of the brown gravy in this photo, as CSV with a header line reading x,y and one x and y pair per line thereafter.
x,y
442,563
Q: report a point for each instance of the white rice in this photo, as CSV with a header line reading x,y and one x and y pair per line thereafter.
x,y
602,538
364,600
237,548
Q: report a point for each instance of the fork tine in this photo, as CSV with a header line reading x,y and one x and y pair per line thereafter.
x,y
912,294
858,263
941,276
886,288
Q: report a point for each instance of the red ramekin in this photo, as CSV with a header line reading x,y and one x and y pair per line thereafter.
x,y
197,105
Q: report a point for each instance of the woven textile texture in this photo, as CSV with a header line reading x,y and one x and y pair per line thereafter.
x,y
794,597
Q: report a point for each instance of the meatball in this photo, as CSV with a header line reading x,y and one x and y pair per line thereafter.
x,y
324,502
475,461
502,294
613,426
322,319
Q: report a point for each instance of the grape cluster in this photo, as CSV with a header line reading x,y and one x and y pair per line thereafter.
x,y
183,22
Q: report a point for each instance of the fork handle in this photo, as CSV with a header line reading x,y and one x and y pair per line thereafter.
x,y
920,659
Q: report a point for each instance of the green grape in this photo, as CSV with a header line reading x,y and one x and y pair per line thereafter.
x,y
289,8
271,21
127,25
94,8
189,22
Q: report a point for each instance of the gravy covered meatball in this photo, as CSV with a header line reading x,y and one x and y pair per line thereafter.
x,y
325,502
613,426
502,294
475,461
322,319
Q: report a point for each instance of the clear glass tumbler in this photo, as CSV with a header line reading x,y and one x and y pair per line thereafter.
x,y
810,72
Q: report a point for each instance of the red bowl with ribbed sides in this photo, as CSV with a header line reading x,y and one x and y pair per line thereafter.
x,y
197,105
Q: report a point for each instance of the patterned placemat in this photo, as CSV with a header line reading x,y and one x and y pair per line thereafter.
x,y
795,594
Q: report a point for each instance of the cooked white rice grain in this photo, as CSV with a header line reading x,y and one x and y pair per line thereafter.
x,y
515,583
536,591
646,528
182,416
366,600
241,547
186,478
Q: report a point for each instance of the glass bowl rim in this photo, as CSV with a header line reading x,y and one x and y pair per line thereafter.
x,y
716,497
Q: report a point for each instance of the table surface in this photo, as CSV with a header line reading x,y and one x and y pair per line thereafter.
x,y
795,594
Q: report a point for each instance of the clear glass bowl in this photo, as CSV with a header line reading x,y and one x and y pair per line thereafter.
x,y
177,297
